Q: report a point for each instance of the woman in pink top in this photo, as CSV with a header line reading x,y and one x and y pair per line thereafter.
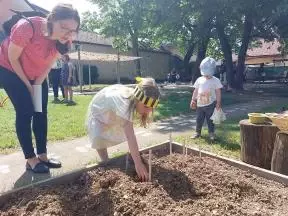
x,y
26,57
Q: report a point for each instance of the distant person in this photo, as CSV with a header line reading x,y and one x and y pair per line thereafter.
x,y
178,77
67,79
222,70
173,75
206,96
261,73
26,58
223,74
55,75
169,77
110,118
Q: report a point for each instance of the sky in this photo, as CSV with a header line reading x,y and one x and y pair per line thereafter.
x,y
80,5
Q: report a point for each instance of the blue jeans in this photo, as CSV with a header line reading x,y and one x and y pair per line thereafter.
x,y
25,115
205,113
2,36
55,74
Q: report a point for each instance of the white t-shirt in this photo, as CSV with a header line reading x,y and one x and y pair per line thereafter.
x,y
206,90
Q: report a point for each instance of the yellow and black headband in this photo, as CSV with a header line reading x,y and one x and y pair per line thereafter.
x,y
148,101
139,95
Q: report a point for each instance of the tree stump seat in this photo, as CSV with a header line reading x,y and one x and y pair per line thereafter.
x,y
257,143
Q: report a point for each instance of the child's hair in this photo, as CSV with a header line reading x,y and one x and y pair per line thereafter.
x,y
150,89
66,57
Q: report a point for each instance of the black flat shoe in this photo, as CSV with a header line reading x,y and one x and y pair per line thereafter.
x,y
52,163
39,168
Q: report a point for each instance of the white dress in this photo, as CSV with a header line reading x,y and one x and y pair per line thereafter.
x,y
107,114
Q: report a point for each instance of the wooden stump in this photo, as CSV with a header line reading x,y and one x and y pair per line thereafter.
x,y
257,143
279,162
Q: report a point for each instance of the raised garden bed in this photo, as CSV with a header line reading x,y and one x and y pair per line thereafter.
x,y
181,185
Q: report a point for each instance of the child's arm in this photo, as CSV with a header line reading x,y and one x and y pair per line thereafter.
x,y
134,150
194,98
218,98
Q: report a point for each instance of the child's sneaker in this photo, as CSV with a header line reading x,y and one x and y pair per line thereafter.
x,y
212,136
56,100
64,101
71,103
196,136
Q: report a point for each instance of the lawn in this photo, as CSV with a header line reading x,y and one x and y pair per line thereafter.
x,y
67,122
94,87
176,101
227,141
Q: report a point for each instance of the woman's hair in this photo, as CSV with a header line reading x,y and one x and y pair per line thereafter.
x,y
62,12
150,89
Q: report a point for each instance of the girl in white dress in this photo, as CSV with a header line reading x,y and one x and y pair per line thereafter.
x,y
110,118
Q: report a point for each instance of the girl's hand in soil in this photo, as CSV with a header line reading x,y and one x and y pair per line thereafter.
x,y
134,150
218,106
141,171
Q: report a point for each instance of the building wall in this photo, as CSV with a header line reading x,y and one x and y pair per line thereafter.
x,y
154,64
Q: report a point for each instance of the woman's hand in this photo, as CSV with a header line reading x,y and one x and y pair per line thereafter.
x,y
141,171
30,89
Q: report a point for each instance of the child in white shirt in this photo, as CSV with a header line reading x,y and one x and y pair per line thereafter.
x,y
206,96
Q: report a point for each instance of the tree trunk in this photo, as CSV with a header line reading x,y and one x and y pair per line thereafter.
x,y
135,51
248,25
227,51
187,58
280,154
202,47
257,143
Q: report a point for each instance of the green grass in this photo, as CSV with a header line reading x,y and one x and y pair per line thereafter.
x,y
175,102
279,91
64,122
94,87
118,154
67,122
227,141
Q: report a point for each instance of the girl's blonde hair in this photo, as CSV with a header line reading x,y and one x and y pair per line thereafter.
x,y
150,89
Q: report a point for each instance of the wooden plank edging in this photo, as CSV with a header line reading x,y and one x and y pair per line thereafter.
x,y
177,147
70,176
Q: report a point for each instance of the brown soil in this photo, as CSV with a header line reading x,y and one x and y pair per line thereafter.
x,y
180,186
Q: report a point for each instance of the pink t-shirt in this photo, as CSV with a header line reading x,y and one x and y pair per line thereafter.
x,y
38,51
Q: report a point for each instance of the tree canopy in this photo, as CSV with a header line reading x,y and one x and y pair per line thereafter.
x,y
217,28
